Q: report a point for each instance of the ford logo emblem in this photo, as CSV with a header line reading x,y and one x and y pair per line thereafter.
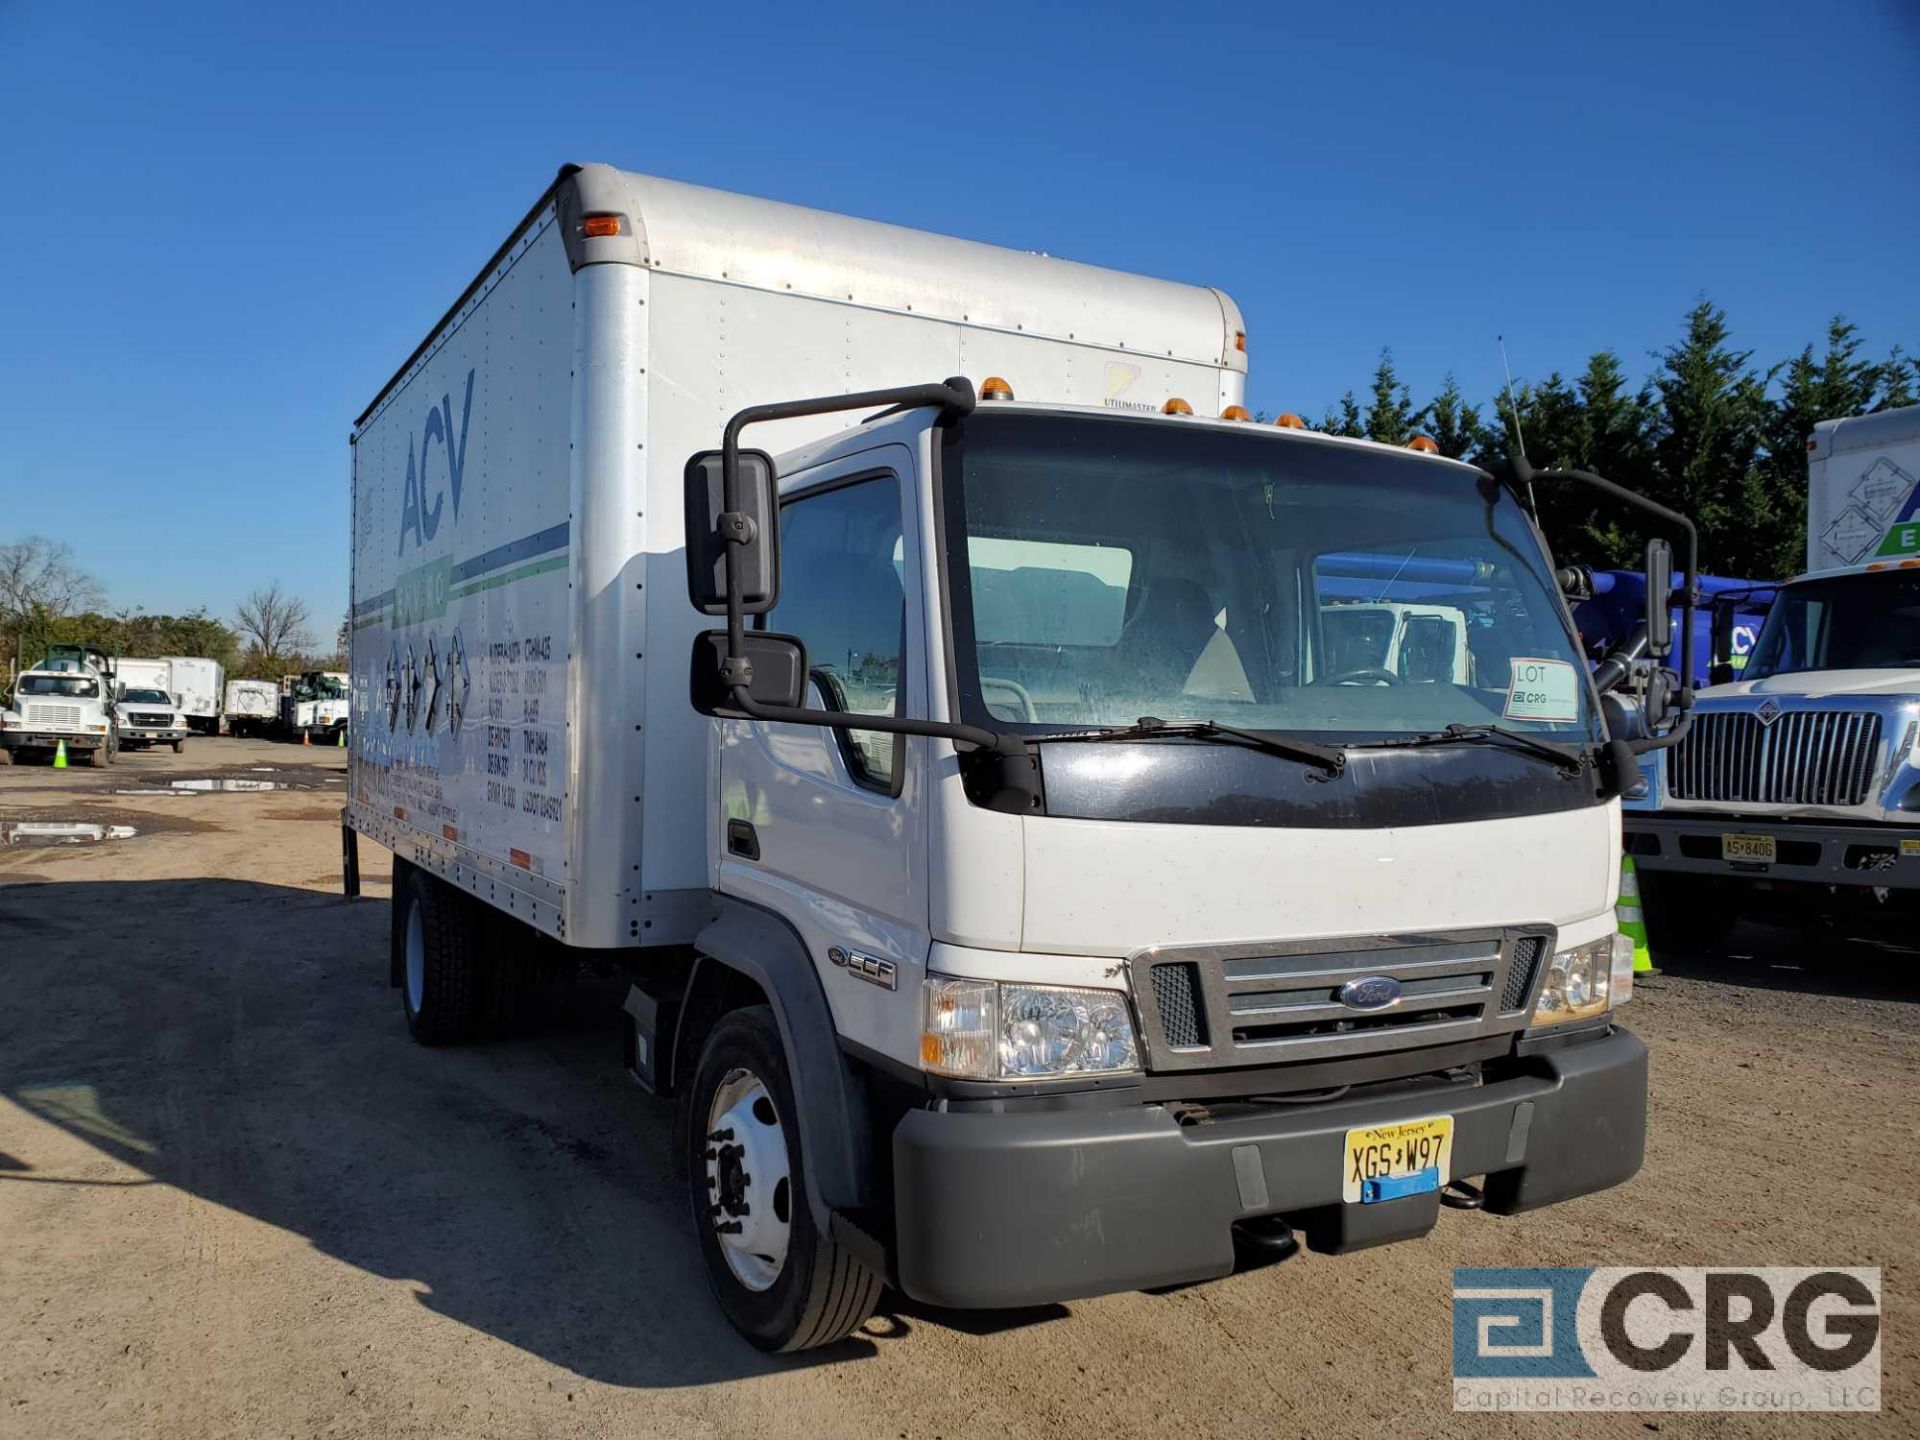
x,y
1370,992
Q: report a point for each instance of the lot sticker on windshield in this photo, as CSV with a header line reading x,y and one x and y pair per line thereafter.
x,y
1542,690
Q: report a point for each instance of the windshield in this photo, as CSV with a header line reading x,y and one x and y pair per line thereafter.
x,y
319,687
1851,622
72,687
146,697
1104,570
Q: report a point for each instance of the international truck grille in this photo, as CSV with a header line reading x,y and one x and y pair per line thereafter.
x,y
1805,757
1215,1007
52,715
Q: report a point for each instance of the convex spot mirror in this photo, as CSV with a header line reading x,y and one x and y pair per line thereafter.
x,y
1659,577
779,671
756,555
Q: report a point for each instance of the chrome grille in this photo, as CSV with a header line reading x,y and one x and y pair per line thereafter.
x,y
52,714
1805,757
1205,1007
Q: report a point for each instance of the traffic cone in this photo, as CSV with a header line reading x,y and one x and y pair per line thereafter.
x,y
306,737
343,737
60,755
1632,919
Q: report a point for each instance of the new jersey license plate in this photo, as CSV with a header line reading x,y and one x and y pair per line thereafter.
x,y
1747,847
1386,1162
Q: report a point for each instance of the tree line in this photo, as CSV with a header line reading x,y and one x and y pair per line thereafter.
x,y
1708,432
47,599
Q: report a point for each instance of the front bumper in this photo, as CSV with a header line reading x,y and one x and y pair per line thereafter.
x,y
1826,853
1007,1209
48,739
132,732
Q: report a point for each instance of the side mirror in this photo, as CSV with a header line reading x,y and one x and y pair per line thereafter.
x,y
779,666
1721,673
1659,576
756,554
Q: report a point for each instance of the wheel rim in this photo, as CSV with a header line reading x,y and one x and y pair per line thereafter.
x,y
749,1189
416,959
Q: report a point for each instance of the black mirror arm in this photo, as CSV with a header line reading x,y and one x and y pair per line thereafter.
x,y
1610,672
1525,474
954,396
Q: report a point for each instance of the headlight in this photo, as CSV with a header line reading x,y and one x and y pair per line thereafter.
x,y
981,1030
1586,981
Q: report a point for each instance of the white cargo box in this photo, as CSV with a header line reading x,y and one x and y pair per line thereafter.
x,y
198,685
521,626
137,674
252,699
1863,489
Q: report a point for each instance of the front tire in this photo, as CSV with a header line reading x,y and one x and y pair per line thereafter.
x,y
178,746
438,961
781,1283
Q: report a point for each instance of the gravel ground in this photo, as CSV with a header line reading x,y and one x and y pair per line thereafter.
x,y
236,1201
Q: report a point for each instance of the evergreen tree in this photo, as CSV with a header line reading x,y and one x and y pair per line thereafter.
x,y
1343,419
1391,418
1898,378
1453,424
1712,413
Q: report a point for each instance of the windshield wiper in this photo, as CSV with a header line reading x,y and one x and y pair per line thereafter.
x,y
1152,727
1568,760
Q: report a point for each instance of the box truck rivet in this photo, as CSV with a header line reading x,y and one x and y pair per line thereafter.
x,y
1004,846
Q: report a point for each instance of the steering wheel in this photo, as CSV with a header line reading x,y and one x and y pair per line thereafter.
x,y
1362,675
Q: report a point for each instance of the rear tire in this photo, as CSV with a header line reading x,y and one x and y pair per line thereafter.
x,y
781,1283
438,961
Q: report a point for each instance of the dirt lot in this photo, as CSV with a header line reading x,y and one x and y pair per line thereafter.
x,y
235,1200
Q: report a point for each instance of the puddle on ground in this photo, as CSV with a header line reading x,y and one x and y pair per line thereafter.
x,y
211,785
61,832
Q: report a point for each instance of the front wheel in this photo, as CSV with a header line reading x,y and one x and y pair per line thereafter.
x,y
783,1285
178,746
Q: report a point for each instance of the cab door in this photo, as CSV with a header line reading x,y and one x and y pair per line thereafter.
x,y
824,826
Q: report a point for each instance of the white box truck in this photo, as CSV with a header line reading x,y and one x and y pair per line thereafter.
x,y
199,686
251,707
1030,909
1795,796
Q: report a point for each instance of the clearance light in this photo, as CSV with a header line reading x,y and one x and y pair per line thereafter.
x,y
1240,341
1235,412
994,388
598,227
1291,421
1176,406
1423,445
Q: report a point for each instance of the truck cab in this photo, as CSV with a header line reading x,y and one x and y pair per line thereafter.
x,y
150,717
65,700
314,705
1796,792
1102,961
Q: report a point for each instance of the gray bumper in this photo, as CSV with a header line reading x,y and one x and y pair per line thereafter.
x,y
1826,854
48,739
1024,1208
160,736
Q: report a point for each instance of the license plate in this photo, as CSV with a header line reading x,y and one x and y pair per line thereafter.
x,y
1386,1162
1747,847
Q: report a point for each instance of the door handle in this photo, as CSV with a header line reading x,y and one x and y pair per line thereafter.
x,y
742,840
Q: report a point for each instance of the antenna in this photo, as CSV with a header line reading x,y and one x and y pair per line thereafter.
x,y
1513,409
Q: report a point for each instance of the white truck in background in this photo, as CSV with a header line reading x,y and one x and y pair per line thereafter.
x,y
199,687
67,699
148,715
314,706
1021,903
250,707
1795,796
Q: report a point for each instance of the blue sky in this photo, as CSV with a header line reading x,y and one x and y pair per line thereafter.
x,y
228,224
